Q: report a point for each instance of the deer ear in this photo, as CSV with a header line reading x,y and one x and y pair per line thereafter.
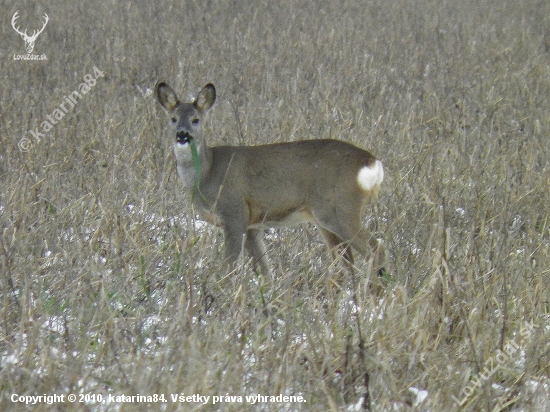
x,y
206,98
166,97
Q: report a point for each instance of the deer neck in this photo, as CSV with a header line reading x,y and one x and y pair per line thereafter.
x,y
188,167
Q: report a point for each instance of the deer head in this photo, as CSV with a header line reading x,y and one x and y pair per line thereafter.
x,y
29,40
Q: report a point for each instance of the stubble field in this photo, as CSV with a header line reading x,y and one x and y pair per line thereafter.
x,y
108,286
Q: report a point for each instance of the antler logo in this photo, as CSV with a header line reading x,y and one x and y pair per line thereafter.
x,y
29,40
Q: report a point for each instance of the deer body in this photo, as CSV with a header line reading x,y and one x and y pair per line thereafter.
x,y
245,189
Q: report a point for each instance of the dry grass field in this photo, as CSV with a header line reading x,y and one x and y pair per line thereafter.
x,y
109,287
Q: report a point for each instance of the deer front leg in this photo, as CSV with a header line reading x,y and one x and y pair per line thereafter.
x,y
234,221
256,247
234,237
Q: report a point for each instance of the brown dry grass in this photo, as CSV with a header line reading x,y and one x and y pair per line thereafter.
x,y
108,287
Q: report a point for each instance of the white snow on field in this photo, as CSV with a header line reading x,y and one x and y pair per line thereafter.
x,y
537,391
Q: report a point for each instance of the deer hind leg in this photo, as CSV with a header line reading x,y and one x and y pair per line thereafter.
x,y
341,252
344,228
337,227
337,245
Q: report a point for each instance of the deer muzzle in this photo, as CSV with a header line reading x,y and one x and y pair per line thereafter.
x,y
183,138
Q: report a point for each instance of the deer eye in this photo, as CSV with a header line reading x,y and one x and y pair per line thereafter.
x,y
174,120
195,121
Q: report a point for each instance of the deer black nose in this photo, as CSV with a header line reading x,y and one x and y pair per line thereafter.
x,y
183,137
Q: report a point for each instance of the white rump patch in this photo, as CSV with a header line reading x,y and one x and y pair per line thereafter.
x,y
368,177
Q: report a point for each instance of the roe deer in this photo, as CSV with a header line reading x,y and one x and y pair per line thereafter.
x,y
245,189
